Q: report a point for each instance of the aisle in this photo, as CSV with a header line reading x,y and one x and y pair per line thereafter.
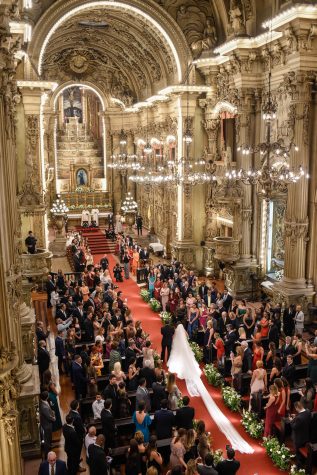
x,y
258,463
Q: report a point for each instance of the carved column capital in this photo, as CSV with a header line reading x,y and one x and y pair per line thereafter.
x,y
295,230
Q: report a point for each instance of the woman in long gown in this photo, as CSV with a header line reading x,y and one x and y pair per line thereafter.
x,y
271,409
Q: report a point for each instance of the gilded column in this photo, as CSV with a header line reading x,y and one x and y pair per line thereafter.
x,y
116,180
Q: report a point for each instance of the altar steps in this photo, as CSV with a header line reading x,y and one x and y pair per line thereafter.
x,y
97,241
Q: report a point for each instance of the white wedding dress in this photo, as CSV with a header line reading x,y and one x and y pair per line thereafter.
x,y
182,362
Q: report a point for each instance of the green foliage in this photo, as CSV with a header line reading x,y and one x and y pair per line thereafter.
x,y
198,353
231,398
213,376
279,453
252,424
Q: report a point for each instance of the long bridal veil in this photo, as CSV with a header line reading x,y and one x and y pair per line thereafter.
x,y
182,362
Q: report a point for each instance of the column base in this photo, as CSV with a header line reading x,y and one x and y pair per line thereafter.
x,y
294,291
27,318
27,405
58,247
239,280
24,373
185,252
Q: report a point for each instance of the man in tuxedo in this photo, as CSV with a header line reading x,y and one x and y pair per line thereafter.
x,y
111,392
167,333
148,373
89,327
230,339
43,358
41,335
53,466
288,320
97,457
60,352
80,380
144,255
229,466
30,243
164,421
202,289
159,393
104,262
61,313
222,324
72,447
273,334
185,415
226,300
77,420
108,424
206,466
287,349
78,312
300,425
247,358
47,417
142,395
208,298
289,370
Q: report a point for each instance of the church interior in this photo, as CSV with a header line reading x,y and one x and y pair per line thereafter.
x,y
157,171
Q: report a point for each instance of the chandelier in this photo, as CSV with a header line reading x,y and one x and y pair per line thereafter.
x,y
124,161
59,207
129,205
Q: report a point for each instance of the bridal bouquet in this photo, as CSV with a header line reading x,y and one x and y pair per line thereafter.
x,y
218,456
198,353
213,376
145,295
166,317
155,305
280,454
231,398
252,424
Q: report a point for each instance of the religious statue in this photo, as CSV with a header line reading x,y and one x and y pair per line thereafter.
x,y
208,40
236,18
81,177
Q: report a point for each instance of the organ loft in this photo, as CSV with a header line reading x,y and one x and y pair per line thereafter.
x,y
189,125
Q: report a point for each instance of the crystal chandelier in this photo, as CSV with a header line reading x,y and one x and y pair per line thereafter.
x,y
123,161
275,174
129,205
59,207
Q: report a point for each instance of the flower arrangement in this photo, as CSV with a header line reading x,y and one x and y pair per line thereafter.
x,y
155,305
180,402
252,424
231,398
213,376
218,456
198,353
166,317
280,454
297,471
145,295
156,358
83,189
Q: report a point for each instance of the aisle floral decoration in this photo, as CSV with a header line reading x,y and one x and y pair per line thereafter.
x,y
231,398
279,453
218,456
156,358
145,295
166,317
297,471
198,352
213,376
252,424
155,305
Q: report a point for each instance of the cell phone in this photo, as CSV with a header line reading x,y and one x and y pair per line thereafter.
x,y
228,446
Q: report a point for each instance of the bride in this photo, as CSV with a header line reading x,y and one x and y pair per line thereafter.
x,y
182,362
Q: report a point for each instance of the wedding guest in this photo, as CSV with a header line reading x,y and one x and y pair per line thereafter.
x,y
97,406
178,450
271,409
142,420
174,393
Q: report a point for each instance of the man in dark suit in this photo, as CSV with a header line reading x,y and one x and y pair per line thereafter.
x,y
230,466
247,358
185,415
72,446
61,313
60,352
300,425
288,320
88,327
98,464
208,298
230,339
287,349
289,370
144,254
47,417
104,262
148,373
142,395
77,420
78,312
41,335
223,321
53,466
167,339
206,467
111,392
108,425
159,393
164,421
202,289
43,358
50,286
79,378
273,334
226,300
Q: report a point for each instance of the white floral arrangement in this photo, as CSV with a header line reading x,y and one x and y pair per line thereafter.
x,y
145,295
252,425
213,376
218,456
166,317
231,398
297,471
155,305
279,453
198,353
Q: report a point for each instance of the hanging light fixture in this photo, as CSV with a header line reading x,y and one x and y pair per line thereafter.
x,y
59,207
275,174
148,147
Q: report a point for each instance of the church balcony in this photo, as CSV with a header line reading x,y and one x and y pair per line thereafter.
x,y
226,249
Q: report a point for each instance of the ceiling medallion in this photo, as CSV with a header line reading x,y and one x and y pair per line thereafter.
x,y
78,63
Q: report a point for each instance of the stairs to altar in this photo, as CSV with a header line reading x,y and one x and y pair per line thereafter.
x,y
97,241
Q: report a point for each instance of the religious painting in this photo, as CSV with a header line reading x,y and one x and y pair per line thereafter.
x,y
81,177
72,103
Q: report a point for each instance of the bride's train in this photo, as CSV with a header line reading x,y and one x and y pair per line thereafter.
x,y
182,362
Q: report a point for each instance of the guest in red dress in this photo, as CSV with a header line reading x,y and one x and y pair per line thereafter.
x,y
258,353
264,322
157,289
281,401
271,409
173,302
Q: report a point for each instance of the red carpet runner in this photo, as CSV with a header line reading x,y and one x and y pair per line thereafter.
x,y
257,463
97,241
